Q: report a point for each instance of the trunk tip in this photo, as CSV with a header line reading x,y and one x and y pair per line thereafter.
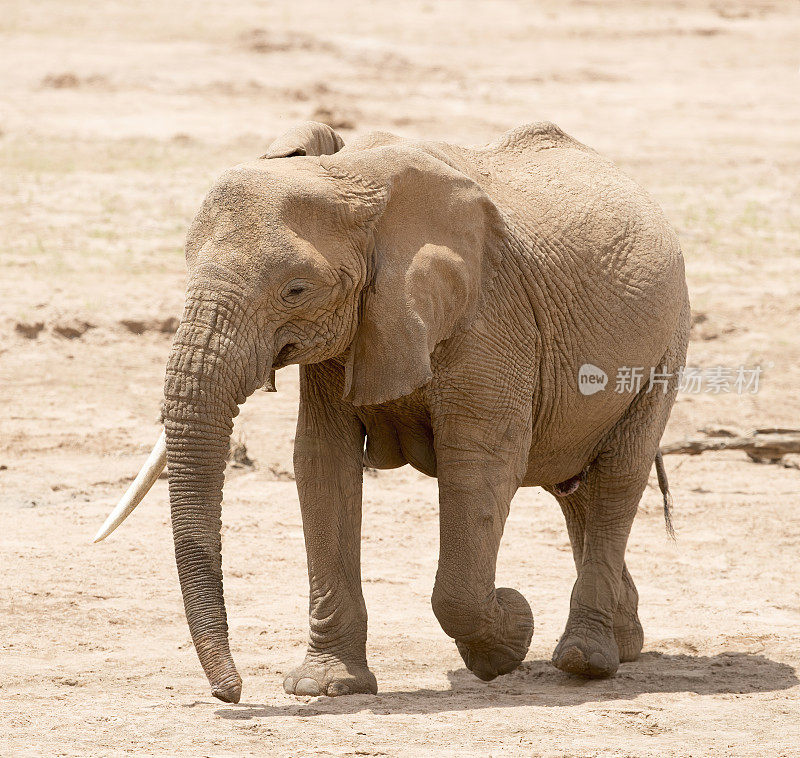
x,y
228,694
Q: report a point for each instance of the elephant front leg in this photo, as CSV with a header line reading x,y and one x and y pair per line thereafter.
x,y
328,469
492,627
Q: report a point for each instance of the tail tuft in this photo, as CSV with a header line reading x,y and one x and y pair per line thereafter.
x,y
663,485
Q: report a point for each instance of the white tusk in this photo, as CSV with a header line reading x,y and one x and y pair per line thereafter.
x,y
140,486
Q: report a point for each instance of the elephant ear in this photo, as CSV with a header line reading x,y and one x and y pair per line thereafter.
x,y
432,228
308,138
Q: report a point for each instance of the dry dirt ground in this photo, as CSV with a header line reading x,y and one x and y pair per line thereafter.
x,y
115,117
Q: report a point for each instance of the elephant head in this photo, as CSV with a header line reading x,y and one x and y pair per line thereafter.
x,y
368,256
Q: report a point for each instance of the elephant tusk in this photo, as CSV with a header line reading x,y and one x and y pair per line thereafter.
x,y
140,486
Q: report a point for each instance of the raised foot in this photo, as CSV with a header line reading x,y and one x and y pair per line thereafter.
x,y
330,676
586,649
503,649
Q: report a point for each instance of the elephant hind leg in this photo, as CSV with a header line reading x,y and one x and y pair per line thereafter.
x,y
603,626
628,632
602,603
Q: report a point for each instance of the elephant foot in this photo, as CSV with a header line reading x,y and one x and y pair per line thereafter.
x,y
504,648
587,649
327,675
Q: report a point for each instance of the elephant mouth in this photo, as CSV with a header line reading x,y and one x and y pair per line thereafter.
x,y
284,356
310,352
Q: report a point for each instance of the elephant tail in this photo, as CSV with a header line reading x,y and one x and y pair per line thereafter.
x,y
663,485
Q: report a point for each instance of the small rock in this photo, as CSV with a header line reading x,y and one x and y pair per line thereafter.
x,y
168,325
280,474
237,455
72,330
133,326
67,80
712,431
29,331
140,326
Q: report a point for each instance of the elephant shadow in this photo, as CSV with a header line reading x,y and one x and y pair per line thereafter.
x,y
537,683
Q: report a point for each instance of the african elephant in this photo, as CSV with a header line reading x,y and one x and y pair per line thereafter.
x,y
442,302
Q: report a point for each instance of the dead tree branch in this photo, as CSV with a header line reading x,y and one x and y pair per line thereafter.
x,y
761,445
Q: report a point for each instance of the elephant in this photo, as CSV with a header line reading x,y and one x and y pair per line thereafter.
x,y
443,304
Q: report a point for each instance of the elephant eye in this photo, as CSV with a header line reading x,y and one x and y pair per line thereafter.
x,y
294,289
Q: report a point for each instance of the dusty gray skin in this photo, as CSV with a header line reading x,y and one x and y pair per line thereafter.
x,y
440,301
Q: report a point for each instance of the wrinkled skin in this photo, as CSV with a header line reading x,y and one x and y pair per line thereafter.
x,y
440,301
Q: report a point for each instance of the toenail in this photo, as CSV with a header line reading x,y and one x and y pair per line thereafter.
x,y
597,662
306,686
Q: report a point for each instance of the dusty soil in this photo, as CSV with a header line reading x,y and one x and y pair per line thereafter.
x,y
114,118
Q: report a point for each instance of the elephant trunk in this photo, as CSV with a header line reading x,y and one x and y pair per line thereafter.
x,y
209,373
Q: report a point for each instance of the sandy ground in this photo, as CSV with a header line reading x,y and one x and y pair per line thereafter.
x,y
114,118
